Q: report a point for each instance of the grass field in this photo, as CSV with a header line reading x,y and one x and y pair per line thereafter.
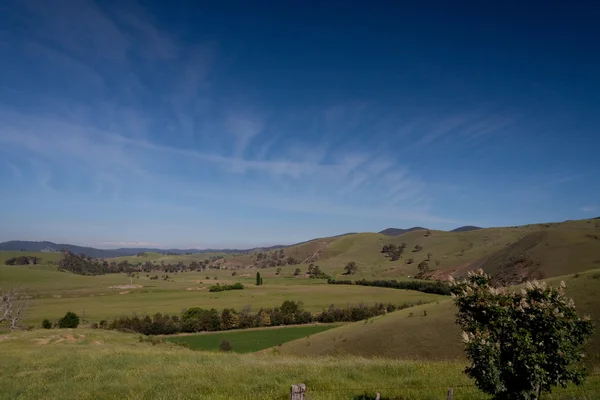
x,y
249,340
92,364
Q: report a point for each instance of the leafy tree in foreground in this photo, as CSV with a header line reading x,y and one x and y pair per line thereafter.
x,y
70,320
520,344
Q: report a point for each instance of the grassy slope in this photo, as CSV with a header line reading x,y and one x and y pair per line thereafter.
x,y
561,248
249,340
86,364
435,336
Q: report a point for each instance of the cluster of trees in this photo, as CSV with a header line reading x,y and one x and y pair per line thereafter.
x,y
197,319
436,287
274,258
84,265
222,288
23,260
70,320
393,252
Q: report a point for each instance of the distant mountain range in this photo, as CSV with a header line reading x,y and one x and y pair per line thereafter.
x,y
399,231
20,245
466,228
23,245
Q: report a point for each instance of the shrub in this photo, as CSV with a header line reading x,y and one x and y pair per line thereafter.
x,y
225,346
70,320
221,288
520,344
46,324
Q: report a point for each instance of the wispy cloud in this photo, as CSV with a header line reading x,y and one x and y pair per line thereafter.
x,y
16,171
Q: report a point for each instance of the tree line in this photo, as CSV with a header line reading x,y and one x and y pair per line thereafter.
x,y
84,265
197,319
436,287
23,260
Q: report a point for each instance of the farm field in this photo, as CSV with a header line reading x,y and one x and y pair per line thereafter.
x,y
54,293
90,364
248,340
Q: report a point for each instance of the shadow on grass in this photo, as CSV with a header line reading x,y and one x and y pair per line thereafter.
x,y
368,396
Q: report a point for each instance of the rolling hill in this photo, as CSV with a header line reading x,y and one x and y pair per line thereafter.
x,y
409,334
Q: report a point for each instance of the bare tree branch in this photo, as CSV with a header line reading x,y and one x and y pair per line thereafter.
x,y
13,305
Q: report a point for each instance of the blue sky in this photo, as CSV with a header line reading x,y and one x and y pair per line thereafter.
x,y
222,124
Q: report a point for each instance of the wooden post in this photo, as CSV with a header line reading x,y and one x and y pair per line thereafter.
x,y
298,392
450,391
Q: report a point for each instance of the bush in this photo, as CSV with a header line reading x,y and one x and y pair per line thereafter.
x,y
225,346
222,288
70,320
46,324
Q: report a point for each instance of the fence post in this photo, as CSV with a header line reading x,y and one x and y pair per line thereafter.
x,y
450,391
298,392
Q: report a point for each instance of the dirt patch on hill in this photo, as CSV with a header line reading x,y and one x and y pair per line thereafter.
x,y
125,292
70,338
195,288
126,287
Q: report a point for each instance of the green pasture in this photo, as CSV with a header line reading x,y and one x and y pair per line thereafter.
x,y
248,340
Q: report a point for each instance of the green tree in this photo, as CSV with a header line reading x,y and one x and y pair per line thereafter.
x,y
520,344
46,324
70,320
351,268
258,279
288,307
423,269
297,272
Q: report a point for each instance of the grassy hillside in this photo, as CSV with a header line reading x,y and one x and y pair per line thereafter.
x,y
434,336
557,248
92,364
